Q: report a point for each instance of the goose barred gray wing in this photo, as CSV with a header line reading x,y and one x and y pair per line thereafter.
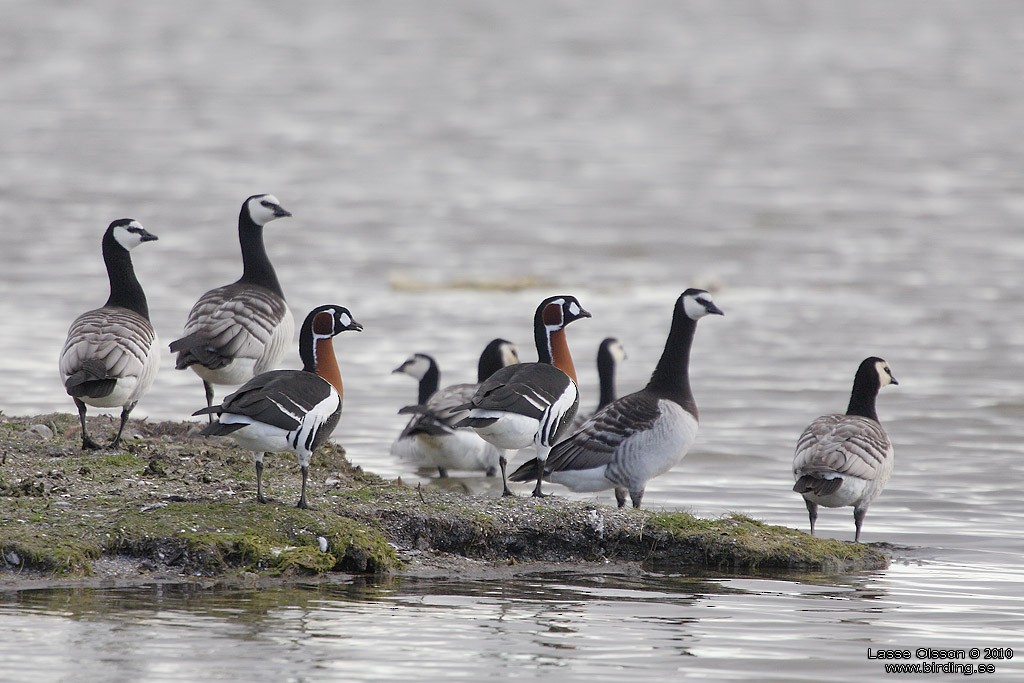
x,y
596,442
237,321
845,444
107,345
445,407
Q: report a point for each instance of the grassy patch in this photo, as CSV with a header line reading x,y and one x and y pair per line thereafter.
x,y
740,542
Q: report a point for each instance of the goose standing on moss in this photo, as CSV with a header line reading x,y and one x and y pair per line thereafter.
x,y
641,435
531,403
290,410
111,354
240,330
843,460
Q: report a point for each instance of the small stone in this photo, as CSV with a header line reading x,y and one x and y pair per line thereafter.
x,y
12,558
323,543
42,431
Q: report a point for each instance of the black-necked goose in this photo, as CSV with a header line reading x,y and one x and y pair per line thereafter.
x,y
290,410
847,459
531,403
238,331
432,429
610,353
424,369
641,435
111,354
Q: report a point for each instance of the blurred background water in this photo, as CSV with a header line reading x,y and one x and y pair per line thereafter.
x,y
846,177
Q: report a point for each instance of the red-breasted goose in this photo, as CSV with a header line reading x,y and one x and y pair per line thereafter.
x,y
641,435
111,354
432,429
290,410
847,459
531,403
238,331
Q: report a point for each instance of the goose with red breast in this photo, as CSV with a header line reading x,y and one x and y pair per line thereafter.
x,y
290,410
531,403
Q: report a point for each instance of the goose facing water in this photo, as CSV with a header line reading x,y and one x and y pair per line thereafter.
x,y
843,460
111,354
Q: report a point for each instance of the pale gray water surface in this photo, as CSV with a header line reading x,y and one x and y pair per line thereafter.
x,y
847,177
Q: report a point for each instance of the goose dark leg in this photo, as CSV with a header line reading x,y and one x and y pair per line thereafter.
x,y
259,481
812,513
637,497
125,412
542,458
302,498
208,388
442,473
87,443
540,477
503,464
858,520
620,496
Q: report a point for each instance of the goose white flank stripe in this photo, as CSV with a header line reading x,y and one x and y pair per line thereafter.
x,y
610,352
531,403
290,410
843,460
111,354
242,329
432,431
641,435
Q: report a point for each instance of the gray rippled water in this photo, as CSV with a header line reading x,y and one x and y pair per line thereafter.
x,y
846,177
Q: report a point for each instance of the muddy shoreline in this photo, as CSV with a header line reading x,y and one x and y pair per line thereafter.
x,y
172,506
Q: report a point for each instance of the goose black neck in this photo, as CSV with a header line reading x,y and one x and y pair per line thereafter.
x,y
307,346
671,377
429,384
256,266
542,337
491,360
865,391
125,290
606,374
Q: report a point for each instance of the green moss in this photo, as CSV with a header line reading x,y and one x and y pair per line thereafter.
x,y
216,537
740,542
37,535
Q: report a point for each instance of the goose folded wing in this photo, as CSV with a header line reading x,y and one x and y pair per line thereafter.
x,y
280,398
596,442
851,445
117,340
231,322
446,407
523,399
